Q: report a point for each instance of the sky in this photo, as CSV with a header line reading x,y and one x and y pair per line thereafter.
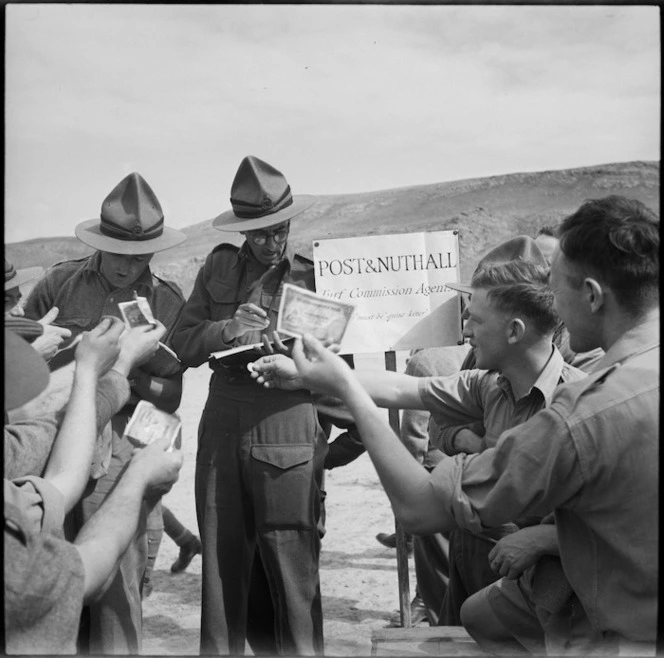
x,y
340,98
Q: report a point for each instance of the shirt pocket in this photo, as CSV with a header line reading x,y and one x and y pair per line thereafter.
x,y
224,299
283,486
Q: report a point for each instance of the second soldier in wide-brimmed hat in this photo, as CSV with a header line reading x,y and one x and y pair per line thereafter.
x,y
261,451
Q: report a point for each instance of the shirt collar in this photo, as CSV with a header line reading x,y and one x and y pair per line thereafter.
x,y
547,381
93,267
550,376
639,339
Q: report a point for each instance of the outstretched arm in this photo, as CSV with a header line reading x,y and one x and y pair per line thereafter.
x,y
386,389
405,481
105,537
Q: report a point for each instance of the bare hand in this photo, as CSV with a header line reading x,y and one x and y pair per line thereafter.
x,y
467,441
276,371
320,368
276,346
49,342
158,467
514,553
99,347
248,317
138,345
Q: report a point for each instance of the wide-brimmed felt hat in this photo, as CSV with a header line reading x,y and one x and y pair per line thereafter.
x,y
260,197
131,221
15,278
522,247
26,372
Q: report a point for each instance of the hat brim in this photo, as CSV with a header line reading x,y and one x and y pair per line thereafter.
x,y
89,232
229,221
23,276
461,287
26,372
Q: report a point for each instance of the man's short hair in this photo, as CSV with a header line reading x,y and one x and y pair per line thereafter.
x,y
520,287
616,240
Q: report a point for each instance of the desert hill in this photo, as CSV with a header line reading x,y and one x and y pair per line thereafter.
x,y
485,211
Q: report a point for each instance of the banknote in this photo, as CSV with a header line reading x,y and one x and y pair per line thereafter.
x,y
147,424
136,312
304,312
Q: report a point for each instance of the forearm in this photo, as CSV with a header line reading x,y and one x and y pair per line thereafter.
x,y
391,389
51,401
405,481
546,538
104,538
68,468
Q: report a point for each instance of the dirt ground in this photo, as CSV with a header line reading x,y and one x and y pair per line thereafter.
x,y
358,575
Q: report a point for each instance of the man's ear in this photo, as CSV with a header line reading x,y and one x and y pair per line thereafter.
x,y
516,330
594,294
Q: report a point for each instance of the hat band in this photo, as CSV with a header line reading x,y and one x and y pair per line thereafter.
x,y
247,210
9,273
138,233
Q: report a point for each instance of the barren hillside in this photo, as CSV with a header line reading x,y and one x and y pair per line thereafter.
x,y
484,210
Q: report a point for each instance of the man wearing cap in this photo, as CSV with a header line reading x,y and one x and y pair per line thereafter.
x,y
128,232
47,579
260,456
590,457
44,336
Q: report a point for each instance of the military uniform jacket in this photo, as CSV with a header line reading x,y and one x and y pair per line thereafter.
x,y
83,296
232,276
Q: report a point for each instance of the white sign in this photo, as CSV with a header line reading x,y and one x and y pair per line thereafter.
x,y
398,285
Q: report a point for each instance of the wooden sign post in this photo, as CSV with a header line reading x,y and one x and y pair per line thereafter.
x,y
402,551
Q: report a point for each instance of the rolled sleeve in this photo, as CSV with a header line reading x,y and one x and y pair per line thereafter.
x,y
533,469
456,399
41,503
112,394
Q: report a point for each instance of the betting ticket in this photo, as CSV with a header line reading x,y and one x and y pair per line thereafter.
x,y
304,312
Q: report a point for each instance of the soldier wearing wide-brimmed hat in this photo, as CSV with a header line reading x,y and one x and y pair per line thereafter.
x,y
261,452
128,231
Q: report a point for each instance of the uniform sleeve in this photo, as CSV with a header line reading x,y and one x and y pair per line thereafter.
x,y
443,436
347,447
42,505
456,399
28,445
40,299
195,335
44,587
112,394
533,469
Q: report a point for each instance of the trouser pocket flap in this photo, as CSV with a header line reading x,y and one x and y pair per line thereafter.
x,y
283,456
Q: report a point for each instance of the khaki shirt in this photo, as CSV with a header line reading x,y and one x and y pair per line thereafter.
x,y
591,457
